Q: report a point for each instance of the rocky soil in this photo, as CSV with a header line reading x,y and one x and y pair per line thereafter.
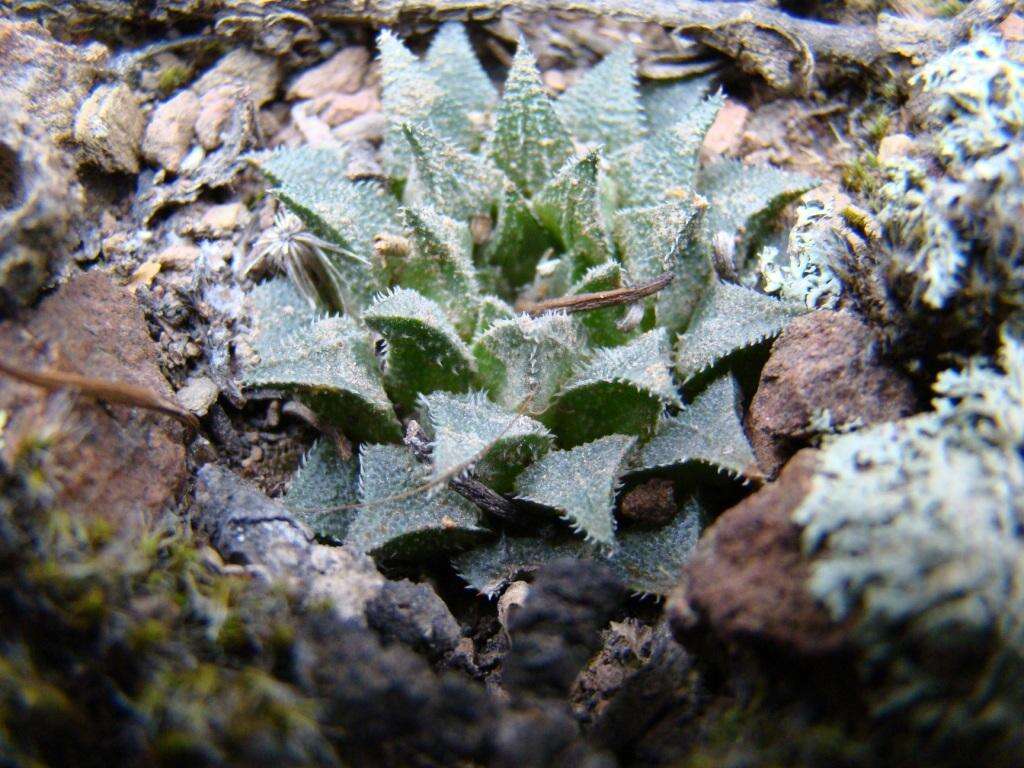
x,y
128,212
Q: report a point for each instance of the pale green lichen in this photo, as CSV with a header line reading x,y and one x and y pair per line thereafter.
x,y
957,236
917,533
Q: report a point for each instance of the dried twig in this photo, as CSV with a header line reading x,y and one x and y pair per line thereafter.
x,y
108,391
585,302
487,499
785,50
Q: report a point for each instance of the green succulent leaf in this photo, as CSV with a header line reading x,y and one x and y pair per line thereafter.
x,y
453,181
708,431
617,390
730,318
603,324
323,483
663,168
424,352
470,431
278,310
526,360
296,165
518,240
529,142
331,362
664,102
412,93
440,266
745,200
399,517
450,58
580,484
648,561
603,107
664,238
489,310
569,207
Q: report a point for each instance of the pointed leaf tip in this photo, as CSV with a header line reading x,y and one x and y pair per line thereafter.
x,y
580,484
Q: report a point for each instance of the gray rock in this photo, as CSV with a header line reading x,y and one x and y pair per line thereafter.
x,y
250,529
39,199
413,615
109,128
49,78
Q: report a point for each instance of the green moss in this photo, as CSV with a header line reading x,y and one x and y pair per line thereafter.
x,y
172,77
862,175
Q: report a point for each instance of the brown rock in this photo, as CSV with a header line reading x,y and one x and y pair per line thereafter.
x,y
221,220
338,108
726,131
746,581
824,361
214,110
101,460
257,75
109,128
1012,28
651,503
342,73
51,79
170,131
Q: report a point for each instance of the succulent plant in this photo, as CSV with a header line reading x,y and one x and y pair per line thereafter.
x,y
454,296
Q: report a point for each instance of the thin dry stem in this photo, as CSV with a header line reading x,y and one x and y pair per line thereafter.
x,y
100,389
585,302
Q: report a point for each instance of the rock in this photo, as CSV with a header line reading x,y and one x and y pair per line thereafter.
x,y
342,73
170,131
198,395
103,460
368,127
178,256
511,601
894,147
39,200
249,528
218,169
413,614
726,131
746,580
257,76
653,709
557,629
221,220
1012,28
49,78
653,502
109,128
214,110
338,108
824,361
